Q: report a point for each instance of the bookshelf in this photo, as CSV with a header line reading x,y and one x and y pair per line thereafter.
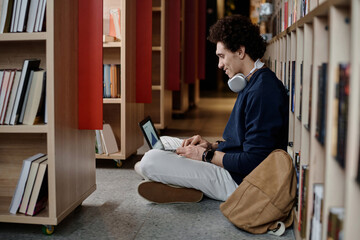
x,y
160,107
327,33
71,166
123,114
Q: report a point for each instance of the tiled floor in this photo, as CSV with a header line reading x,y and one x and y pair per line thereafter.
x,y
115,211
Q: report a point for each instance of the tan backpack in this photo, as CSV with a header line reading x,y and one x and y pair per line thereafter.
x,y
264,201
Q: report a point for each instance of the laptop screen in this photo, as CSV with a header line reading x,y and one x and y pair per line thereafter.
x,y
150,134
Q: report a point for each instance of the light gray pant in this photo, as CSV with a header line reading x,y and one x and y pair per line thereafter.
x,y
169,168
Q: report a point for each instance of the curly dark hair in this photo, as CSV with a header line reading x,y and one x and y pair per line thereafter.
x,y
235,31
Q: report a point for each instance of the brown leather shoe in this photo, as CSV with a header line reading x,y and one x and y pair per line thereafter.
x,y
157,192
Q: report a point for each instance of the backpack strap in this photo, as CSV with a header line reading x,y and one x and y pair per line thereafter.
x,y
279,231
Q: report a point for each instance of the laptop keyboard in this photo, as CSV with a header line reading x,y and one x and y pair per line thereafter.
x,y
171,142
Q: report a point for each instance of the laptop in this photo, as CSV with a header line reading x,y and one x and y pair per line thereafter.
x,y
154,140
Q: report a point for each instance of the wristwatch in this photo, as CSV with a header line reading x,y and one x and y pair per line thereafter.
x,y
208,155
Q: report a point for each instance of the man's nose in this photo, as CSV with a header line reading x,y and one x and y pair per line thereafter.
x,y
220,65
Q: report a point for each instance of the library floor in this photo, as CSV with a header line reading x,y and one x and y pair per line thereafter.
x,y
116,211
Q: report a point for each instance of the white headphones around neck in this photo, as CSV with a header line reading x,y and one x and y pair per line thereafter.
x,y
238,81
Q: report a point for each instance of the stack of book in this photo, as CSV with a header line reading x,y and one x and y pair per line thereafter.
x,y
31,193
22,15
22,94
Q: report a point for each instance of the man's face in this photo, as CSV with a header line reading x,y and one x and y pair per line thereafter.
x,y
229,61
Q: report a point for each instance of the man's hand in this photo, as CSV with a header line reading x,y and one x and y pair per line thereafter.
x,y
196,140
191,151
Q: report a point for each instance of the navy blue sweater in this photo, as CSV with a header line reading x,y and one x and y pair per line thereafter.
x,y
257,125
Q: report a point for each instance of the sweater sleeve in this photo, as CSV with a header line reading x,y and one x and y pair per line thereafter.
x,y
263,123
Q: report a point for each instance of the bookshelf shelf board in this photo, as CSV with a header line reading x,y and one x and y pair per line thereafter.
x,y
112,45
156,9
156,48
23,36
117,155
156,87
5,216
112,100
24,129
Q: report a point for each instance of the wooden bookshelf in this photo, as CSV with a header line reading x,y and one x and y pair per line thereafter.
x,y
160,107
328,33
123,114
71,166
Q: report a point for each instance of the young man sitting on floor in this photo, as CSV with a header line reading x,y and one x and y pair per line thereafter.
x,y
257,125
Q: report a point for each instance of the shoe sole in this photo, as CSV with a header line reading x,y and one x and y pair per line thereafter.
x,y
157,192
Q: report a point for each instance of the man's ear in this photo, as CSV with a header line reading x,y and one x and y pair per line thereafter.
x,y
241,52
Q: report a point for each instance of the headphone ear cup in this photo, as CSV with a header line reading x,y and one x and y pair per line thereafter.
x,y
237,82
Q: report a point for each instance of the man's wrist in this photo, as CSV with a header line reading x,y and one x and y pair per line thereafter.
x,y
208,155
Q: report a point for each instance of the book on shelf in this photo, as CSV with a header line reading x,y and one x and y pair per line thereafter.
x,y
14,15
301,89
36,93
302,221
20,187
297,172
293,86
115,80
106,81
342,112
289,78
317,213
5,89
114,23
308,125
26,97
40,18
6,15
23,14
33,9
98,142
30,183
335,223
320,130
109,140
335,105
12,96
39,194
29,65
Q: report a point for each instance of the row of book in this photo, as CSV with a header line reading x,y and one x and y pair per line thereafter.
x,y
111,81
105,142
31,193
286,12
287,73
22,15
23,94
